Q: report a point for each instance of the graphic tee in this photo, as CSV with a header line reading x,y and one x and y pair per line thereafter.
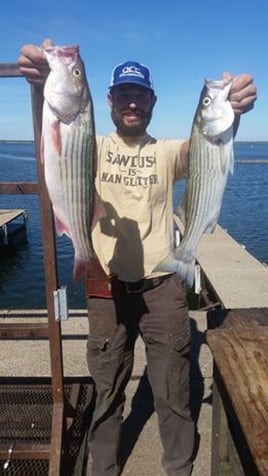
x,y
135,182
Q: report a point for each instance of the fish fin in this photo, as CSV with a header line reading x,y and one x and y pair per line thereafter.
x,y
60,230
99,211
214,218
60,226
56,136
81,269
227,156
231,161
173,264
181,209
211,226
42,148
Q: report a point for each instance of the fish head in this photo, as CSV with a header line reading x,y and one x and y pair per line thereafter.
x,y
66,89
215,114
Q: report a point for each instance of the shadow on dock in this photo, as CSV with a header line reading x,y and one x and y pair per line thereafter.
x,y
142,407
197,379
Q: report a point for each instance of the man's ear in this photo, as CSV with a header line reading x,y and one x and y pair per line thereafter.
x,y
110,99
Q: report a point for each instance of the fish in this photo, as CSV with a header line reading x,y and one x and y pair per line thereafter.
x,y
211,160
69,153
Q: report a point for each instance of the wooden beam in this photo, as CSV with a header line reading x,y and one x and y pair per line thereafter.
x,y
241,357
14,188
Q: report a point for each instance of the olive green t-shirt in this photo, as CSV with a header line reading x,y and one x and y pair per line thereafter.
x,y
135,182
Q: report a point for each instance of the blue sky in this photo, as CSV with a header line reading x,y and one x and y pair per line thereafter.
x,y
182,42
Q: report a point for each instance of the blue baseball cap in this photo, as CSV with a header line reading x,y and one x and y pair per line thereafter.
x,y
131,72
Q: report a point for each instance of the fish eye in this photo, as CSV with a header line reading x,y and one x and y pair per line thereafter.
x,y
206,101
76,72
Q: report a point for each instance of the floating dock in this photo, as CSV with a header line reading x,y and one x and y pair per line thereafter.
x,y
251,161
12,226
237,278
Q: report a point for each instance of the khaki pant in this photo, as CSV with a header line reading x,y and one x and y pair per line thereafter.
x,y
161,317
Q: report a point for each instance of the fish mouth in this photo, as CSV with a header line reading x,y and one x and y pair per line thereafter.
x,y
218,83
63,51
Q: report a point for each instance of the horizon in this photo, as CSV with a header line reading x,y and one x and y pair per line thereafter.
x,y
236,141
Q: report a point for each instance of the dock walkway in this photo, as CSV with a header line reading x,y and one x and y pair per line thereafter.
x,y
237,278
8,217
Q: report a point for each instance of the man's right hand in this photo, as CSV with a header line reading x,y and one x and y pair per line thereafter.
x,y
33,64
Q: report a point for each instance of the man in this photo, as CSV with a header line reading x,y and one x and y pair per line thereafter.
x,y
126,297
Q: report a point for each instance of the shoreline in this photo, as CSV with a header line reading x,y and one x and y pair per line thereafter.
x,y
16,141
30,141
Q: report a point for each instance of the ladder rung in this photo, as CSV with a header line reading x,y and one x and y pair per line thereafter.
x,y
23,330
25,451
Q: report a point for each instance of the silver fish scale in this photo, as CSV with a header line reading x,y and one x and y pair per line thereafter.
x,y
77,174
210,161
205,187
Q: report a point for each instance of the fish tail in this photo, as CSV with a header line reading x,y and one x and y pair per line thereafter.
x,y
173,264
81,269
60,227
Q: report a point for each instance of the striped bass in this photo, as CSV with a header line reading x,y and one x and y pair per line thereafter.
x,y
69,152
211,158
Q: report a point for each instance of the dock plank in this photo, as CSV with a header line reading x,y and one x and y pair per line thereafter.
x,y
237,278
8,215
242,359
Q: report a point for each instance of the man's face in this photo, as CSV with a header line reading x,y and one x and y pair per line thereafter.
x,y
131,109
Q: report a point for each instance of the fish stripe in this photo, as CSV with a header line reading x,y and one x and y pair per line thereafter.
x,y
70,169
210,160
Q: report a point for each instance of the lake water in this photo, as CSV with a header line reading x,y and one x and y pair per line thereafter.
x,y
244,214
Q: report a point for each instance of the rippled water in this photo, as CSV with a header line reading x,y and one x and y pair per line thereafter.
x,y
21,269
244,214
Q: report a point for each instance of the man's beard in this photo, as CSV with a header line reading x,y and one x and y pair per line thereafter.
x,y
134,130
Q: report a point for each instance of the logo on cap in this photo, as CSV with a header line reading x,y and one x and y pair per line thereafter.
x,y
131,72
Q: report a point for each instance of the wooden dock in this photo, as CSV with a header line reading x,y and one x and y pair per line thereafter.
x,y
12,228
237,278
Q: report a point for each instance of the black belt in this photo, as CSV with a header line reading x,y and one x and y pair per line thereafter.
x,y
143,284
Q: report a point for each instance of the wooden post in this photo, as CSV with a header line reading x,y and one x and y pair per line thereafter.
x,y
51,277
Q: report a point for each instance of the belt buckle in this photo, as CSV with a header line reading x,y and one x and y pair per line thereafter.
x,y
133,290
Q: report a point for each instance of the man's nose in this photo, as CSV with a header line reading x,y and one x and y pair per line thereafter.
x,y
132,104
